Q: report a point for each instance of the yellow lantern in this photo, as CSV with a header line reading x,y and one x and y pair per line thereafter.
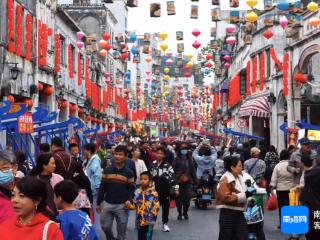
x,y
166,70
314,22
189,64
166,88
164,47
166,77
163,36
252,3
312,6
190,56
252,17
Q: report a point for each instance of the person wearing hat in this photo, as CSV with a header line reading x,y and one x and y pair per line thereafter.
x,y
295,159
255,166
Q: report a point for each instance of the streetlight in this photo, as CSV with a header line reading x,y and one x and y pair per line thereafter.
x,y
14,71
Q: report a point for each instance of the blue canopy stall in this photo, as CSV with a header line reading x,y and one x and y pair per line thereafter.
x,y
241,136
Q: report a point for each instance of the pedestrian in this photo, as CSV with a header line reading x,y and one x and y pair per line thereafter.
x,y
115,193
44,148
205,157
84,201
282,181
245,155
310,197
295,160
74,224
44,170
271,159
185,175
231,199
32,219
75,153
255,166
65,165
219,166
23,166
146,203
163,176
7,160
92,168
306,165
139,164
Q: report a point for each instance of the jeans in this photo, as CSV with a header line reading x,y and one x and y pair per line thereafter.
x,y
108,214
145,232
96,215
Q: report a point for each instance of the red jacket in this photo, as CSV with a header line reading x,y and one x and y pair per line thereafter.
x,y
6,210
12,229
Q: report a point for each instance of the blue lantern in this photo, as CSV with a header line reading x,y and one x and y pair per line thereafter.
x,y
133,37
283,5
134,50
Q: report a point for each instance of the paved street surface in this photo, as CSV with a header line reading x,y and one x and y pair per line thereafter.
x,y
202,225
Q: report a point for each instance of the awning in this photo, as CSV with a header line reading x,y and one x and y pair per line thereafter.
x,y
242,135
258,107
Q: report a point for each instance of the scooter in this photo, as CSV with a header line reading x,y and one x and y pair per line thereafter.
x,y
204,191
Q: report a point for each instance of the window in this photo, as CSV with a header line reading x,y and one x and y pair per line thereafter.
x,y
268,66
243,82
63,50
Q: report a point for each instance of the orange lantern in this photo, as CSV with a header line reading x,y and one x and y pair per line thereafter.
x,y
40,87
64,104
28,102
49,90
11,98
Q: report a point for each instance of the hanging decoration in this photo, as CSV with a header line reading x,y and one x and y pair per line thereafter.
x,y
227,65
171,9
286,74
163,36
262,70
79,69
166,70
283,21
103,53
48,90
19,29
70,60
194,12
251,17
169,62
80,35
58,52
209,56
283,5
29,37
40,87
300,78
10,26
268,34
254,74
248,79
179,35
314,22
80,45
42,44
252,3
234,96
312,6
180,47
275,59
155,10
163,47
231,40
11,98
133,37
196,44
196,32
106,36
231,28
227,58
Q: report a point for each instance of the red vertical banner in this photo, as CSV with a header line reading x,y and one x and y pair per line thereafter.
x,y
248,79
234,96
79,69
11,27
29,37
286,74
58,53
262,70
70,60
87,79
254,74
19,29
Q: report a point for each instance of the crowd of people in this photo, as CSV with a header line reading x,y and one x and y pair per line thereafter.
x,y
72,193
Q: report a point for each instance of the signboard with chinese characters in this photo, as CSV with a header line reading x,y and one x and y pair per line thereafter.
x,y
25,123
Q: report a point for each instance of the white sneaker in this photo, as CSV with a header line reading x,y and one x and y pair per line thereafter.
x,y
165,228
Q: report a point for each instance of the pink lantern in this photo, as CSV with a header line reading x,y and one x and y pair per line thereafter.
x,y
108,81
227,58
148,79
231,40
106,74
227,65
169,62
196,44
148,72
196,32
80,35
231,28
283,21
169,54
80,45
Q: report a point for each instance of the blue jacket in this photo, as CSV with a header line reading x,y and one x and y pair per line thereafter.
x,y
204,163
94,173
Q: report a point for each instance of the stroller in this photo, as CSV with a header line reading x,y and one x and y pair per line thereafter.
x,y
254,214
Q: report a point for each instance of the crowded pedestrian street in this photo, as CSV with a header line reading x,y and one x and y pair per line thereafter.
x,y
159,120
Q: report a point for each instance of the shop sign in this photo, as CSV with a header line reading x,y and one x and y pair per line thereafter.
x,y
242,123
25,123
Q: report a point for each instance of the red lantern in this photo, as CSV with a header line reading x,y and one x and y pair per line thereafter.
x,y
11,98
300,78
64,104
49,90
209,65
124,56
40,87
106,36
107,47
209,56
268,34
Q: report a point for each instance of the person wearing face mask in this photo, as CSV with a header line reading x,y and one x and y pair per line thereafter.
x,y
185,174
7,160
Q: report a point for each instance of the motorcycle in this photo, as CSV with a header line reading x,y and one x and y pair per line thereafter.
x,y
204,191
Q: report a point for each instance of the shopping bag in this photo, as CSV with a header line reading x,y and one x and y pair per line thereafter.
x,y
272,203
173,203
294,196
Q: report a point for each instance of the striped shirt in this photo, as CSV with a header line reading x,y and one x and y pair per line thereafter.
x,y
117,185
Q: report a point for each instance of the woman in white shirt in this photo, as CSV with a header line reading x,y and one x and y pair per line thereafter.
x,y
140,165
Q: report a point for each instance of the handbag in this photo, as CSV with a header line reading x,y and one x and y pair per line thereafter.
x,y
272,203
183,178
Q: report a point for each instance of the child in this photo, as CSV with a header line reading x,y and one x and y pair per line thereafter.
x,y
75,224
146,203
